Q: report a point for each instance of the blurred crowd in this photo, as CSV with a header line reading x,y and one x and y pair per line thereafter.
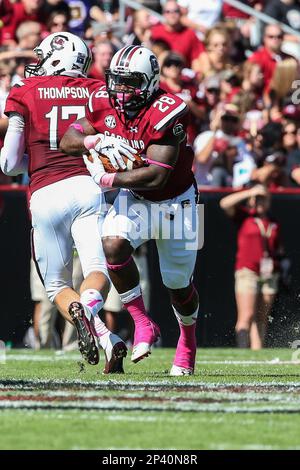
x,y
237,74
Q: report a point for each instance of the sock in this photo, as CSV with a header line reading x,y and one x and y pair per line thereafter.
x,y
145,330
186,346
93,300
101,331
134,303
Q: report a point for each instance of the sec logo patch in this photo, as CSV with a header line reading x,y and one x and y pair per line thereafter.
x,y
110,121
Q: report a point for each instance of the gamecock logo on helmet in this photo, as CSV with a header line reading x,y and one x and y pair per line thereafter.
x,y
58,43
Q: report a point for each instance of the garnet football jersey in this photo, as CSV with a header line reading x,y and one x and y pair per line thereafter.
x,y
49,105
164,117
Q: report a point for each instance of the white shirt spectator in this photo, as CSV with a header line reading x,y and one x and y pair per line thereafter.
x,y
206,13
243,165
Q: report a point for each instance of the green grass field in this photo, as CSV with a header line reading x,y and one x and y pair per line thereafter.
x,y
237,400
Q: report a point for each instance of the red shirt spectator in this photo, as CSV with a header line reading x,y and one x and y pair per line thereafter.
x,y
249,235
270,53
6,12
231,12
26,10
103,53
179,38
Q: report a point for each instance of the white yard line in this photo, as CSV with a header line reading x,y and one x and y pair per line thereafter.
x,y
31,357
109,384
144,406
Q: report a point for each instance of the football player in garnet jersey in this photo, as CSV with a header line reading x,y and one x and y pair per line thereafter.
x,y
65,202
160,195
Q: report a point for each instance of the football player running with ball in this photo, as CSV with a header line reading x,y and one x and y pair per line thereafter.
x,y
160,195
65,202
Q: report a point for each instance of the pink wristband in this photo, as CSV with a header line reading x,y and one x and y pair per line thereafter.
x,y
90,141
77,127
107,180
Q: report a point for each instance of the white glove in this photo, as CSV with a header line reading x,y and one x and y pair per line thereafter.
x,y
112,147
95,167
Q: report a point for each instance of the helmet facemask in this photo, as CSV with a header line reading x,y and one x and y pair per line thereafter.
x,y
127,90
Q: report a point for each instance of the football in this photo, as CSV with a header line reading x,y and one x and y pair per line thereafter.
x,y
137,163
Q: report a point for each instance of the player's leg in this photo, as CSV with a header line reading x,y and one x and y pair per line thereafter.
x,y
177,250
125,228
53,210
94,288
246,292
264,307
185,303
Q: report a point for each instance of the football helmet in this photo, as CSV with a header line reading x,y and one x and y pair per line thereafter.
x,y
132,78
60,54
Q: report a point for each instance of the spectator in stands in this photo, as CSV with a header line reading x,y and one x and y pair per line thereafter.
x,y
230,84
221,155
288,12
152,4
293,163
289,142
174,81
141,29
180,38
257,265
268,55
51,6
58,22
26,10
28,35
160,48
200,16
209,100
252,86
80,16
103,52
105,11
216,58
272,172
6,13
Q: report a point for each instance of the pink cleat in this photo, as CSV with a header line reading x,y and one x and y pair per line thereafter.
x,y
184,361
144,338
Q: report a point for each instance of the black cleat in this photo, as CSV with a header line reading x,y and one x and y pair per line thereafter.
x,y
86,342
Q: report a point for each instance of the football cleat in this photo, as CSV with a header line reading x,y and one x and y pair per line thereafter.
x,y
143,341
85,331
179,371
115,351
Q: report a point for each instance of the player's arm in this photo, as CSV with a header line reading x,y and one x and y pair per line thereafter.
x,y
162,157
12,160
81,138
72,142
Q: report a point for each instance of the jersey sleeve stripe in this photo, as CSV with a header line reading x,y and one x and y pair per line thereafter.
x,y
166,120
90,105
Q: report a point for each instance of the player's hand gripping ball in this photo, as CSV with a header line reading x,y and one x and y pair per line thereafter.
x,y
130,165
139,162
